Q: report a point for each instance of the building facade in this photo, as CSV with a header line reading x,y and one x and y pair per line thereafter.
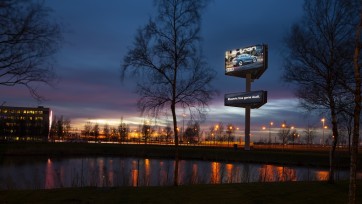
x,y
24,123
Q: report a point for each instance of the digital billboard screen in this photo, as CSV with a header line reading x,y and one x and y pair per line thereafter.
x,y
252,99
248,60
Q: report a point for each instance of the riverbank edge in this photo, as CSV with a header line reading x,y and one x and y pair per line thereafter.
x,y
222,154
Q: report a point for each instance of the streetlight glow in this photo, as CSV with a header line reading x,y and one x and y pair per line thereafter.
x,y
270,124
323,127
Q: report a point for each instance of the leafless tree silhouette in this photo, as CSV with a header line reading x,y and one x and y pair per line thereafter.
x,y
357,107
320,57
167,58
28,39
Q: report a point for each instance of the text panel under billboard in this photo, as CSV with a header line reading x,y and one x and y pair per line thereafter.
x,y
248,60
252,99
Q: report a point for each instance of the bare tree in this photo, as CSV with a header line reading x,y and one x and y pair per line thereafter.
x,y
60,128
28,38
192,132
166,56
146,131
320,50
107,131
67,127
87,129
168,132
230,129
309,135
114,134
284,133
293,135
346,126
219,129
357,107
95,132
123,131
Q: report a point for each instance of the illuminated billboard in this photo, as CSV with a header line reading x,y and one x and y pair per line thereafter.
x,y
252,99
248,60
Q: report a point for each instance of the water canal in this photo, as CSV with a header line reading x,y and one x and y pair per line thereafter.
x,y
48,173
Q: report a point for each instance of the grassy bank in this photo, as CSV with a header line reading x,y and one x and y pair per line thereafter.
x,y
289,192
285,157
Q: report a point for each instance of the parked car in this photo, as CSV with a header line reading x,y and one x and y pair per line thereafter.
x,y
242,59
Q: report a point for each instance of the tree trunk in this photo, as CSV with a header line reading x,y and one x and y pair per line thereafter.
x,y
354,154
173,109
356,118
332,158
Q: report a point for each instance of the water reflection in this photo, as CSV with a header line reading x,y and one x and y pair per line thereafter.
x,y
112,171
272,173
135,172
49,178
215,167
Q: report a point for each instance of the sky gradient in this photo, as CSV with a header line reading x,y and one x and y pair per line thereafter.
x,y
97,35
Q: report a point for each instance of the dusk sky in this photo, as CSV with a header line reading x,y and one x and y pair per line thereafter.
x,y
98,33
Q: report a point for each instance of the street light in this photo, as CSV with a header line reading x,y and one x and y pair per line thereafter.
x,y
283,139
323,131
216,129
294,134
270,124
183,126
230,131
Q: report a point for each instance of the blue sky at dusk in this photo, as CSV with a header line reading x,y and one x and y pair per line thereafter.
x,y
97,34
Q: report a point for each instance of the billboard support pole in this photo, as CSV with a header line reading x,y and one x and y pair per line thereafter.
x,y
247,114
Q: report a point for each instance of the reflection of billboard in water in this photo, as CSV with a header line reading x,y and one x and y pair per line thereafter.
x,y
242,61
253,99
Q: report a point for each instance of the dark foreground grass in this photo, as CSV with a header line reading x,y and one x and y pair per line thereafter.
x,y
289,192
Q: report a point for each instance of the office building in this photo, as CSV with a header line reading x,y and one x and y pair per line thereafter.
x,y
24,123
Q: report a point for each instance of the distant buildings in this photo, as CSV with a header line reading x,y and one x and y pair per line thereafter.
x,y
24,123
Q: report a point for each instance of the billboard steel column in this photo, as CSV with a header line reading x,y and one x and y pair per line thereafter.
x,y
247,115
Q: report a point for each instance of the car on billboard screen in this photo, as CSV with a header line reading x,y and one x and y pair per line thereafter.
x,y
242,61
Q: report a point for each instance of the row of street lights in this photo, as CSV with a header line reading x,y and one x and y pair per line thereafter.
x,y
283,125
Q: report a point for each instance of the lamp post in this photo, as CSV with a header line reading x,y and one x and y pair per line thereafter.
x,y
230,131
270,124
293,134
283,139
323,131
237,130
183,126
216,130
